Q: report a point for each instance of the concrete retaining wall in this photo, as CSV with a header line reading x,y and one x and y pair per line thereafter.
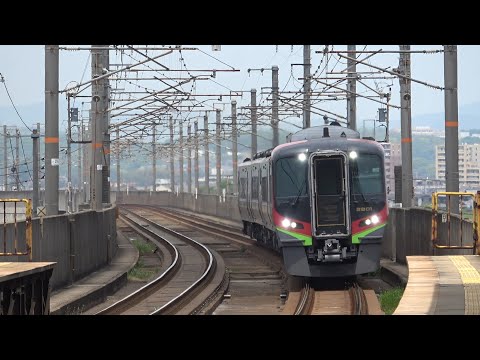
x,y
205,204
80,243
409,232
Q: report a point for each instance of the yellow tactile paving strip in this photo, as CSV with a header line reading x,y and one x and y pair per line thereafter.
x,y
471,282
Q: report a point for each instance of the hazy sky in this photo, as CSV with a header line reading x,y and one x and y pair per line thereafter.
x,y
23,69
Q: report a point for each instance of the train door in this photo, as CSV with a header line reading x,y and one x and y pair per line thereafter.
x,y
329,196
242,192
263,193
255,193
249,193
269,194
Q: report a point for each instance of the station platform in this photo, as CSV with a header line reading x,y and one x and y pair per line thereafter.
x,y
441,285
94,288
24,288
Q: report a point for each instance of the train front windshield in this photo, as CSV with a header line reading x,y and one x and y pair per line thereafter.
x,y
291,188
367,185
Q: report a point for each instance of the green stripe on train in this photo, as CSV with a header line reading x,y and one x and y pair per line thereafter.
x,y
356,237
307,240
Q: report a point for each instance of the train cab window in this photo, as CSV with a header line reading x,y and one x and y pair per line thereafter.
x,y
291,190
255,187
290,179
367,175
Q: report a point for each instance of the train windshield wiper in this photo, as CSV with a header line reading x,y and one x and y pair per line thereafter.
x,y
363,197
288,174
294,203
357,187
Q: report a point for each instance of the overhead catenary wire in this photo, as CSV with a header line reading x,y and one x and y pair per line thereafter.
x,y
2,79
176,105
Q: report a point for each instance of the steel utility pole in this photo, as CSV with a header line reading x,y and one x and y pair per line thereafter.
x,y
218,154
154,157
275,105
51,129
5,158
406,125
172,166
87,149
69,156
106,123
352,88
195,164
35,136
79,159
189,159
118,162
207,155
38,157
180,160
17,157
97,130
253,112
451,123
234,147
306,86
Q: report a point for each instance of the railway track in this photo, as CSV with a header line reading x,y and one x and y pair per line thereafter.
x,y
351,301
256,278
243,273
194,275
270,257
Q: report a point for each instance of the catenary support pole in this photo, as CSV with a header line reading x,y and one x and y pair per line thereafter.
x,y
51,130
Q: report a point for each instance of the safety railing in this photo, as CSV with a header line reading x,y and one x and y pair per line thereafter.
x,y
446,218
12,214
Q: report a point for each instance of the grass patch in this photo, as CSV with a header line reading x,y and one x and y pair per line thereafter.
x,y
143,246
140,273
389,299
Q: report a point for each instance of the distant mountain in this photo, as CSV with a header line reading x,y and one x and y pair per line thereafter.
x,y
468,117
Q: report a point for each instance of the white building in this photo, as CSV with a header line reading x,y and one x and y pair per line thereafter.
x,y
468,164
393,157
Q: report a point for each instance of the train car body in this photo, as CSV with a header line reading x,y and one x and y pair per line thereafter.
x,y
319,199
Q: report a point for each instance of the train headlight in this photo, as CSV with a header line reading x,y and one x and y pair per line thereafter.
x,y
286,223
353,155
293,225
374,219
302,157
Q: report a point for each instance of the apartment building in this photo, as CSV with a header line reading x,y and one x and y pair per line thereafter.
x,y
393,157
468,165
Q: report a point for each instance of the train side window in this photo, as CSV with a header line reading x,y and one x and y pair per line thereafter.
x,y
243,188
255,187
264,189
